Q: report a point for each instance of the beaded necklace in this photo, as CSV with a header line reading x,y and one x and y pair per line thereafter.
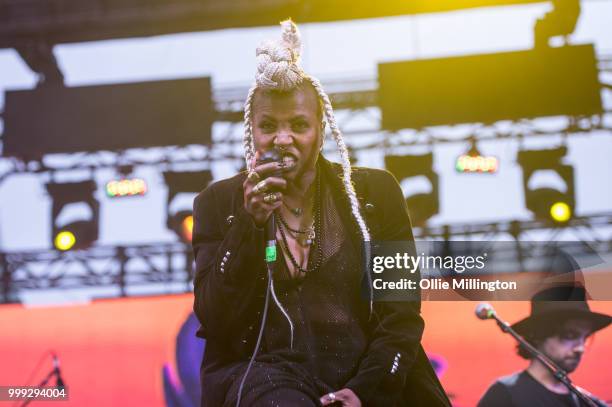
x,y
317,232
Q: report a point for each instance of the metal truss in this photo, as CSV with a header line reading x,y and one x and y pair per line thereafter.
x,y
169,267
357,114
584,228
165,266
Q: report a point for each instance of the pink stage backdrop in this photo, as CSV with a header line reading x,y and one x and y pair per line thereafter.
x,y
113,351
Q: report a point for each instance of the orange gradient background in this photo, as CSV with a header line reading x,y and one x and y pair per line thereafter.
x,y
112,351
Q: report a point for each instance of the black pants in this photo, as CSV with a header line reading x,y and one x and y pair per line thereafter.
x,y
278,384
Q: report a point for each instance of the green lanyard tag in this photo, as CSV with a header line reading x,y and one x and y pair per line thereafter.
x,y
270,254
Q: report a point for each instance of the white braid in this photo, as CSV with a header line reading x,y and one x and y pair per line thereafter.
x,y
247,141
344,158
291,37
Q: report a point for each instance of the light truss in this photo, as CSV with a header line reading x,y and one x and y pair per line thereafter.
x,y
169,267
357,114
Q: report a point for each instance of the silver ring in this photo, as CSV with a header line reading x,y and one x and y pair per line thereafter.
x,y
253,176
332,396
260,187
270,198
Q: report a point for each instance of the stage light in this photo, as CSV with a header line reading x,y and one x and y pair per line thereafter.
x,y
179,212
479,164
474,162
74,215
555,203
182,224
560,212
421,206
126,187
64,240
188,226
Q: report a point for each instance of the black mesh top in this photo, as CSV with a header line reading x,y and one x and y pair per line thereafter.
x,y
328,313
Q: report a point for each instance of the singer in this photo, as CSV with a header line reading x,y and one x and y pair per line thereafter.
x,y
322,343
559,324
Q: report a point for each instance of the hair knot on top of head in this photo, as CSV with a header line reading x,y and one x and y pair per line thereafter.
x,y
278,61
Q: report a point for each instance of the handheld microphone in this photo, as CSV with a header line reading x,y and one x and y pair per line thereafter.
x,y
268,157
485,311
270,235
270,229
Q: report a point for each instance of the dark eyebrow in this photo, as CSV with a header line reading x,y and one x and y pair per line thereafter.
x,y
293,119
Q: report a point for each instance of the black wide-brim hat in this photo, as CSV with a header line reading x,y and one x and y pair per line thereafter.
x,y
556,305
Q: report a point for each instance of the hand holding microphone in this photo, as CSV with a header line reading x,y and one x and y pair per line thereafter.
x,y
264,186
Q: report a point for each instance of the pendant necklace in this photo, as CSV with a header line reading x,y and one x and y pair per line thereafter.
x,y
297,212
309,232
316,243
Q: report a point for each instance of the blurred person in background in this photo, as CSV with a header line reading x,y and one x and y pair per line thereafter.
x,y
559,325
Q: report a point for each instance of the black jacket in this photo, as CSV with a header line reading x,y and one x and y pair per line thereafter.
x,y
230,284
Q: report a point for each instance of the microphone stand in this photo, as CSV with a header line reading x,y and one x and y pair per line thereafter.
x,y
54,372
557,372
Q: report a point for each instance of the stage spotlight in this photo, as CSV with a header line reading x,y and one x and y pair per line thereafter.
x,y
76,235
187,225
74,215
421,205
179,212
182,224
548,202
560,212
474,162
64,240
126,187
